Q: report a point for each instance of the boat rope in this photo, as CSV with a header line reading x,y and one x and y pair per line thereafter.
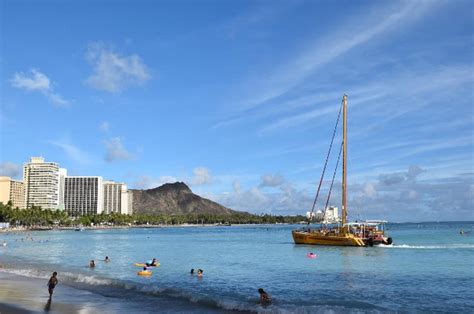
x,y
333,177
325,164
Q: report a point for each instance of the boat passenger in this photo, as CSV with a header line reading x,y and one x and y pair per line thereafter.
x,y
265,298
92,263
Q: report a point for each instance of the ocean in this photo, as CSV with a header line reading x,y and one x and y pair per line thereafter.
x,y
429,268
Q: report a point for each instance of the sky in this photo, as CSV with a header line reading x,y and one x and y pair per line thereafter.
x,y
239,99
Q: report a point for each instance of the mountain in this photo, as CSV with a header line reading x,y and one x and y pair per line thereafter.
x,y
174,198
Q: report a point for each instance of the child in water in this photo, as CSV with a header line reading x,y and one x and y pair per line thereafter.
x,y
53,281
265,298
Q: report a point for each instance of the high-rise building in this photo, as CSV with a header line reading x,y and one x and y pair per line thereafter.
x,y
41,181
83,195
12,190
116,198
62,182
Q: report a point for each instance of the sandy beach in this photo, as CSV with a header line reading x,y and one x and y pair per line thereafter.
x,y
20,294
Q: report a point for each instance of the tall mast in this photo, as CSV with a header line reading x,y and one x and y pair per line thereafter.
x,y
344,160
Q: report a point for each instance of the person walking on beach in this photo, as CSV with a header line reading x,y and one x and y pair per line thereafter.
x,y
265,298
53,281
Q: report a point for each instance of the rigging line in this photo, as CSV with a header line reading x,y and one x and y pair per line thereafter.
x,y
325,164
333,177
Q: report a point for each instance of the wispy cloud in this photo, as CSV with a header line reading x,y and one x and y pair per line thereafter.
x,y
73,152
39,82
114,72
201,175
116,151
149,182
104,126
271,180
325,50
10,169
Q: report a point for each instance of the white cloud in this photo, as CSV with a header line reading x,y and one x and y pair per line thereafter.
x,y
73,152
369,190
114,72
105,126
116,151
10,169
148,182
201,176
236,186
37,81
270,180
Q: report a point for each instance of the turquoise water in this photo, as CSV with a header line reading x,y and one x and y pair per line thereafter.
x,y
430,267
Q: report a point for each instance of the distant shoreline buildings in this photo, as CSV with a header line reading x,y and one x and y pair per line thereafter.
x,y
47,185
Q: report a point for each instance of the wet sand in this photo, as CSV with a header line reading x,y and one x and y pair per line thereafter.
x,y
19,294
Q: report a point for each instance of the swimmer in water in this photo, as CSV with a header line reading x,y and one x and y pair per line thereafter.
x,y
192,271
92,263
200,271
265,298
107,259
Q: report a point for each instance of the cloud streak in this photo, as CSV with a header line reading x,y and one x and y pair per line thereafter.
x,y
35,81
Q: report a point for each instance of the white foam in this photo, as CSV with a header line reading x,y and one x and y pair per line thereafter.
x,y
429,247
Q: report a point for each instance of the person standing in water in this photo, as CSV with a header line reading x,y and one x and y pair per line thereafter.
x,y
92,264
265,298
53,281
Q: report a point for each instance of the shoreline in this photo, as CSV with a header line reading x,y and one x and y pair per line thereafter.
x,y
21,294
30,229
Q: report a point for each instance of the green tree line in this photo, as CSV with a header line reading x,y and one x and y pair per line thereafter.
x,y
36,216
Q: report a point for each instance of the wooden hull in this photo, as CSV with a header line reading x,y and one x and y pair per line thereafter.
x,y
320,238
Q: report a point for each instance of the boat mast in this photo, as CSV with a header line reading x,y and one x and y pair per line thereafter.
x,y
344,160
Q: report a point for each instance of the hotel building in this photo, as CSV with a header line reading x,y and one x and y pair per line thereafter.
x,y
117,198
12,190
41,182
83,195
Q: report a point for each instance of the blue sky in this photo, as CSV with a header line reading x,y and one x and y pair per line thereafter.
x,y
239,98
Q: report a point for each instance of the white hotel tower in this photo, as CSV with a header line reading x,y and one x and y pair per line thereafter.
x,y
41,181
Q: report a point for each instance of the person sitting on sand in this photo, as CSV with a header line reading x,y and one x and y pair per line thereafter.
x,y
107,259
200,271
153,263
92,263
53,281
265,298
192,271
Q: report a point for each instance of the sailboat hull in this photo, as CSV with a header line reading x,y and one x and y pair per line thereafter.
x,y
320,238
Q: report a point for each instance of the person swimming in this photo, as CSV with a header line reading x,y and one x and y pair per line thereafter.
x,y
92,263
199,272
265,298
53,281
153,262
107,259
192,271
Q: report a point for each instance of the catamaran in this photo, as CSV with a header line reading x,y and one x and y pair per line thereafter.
x,y
332,229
